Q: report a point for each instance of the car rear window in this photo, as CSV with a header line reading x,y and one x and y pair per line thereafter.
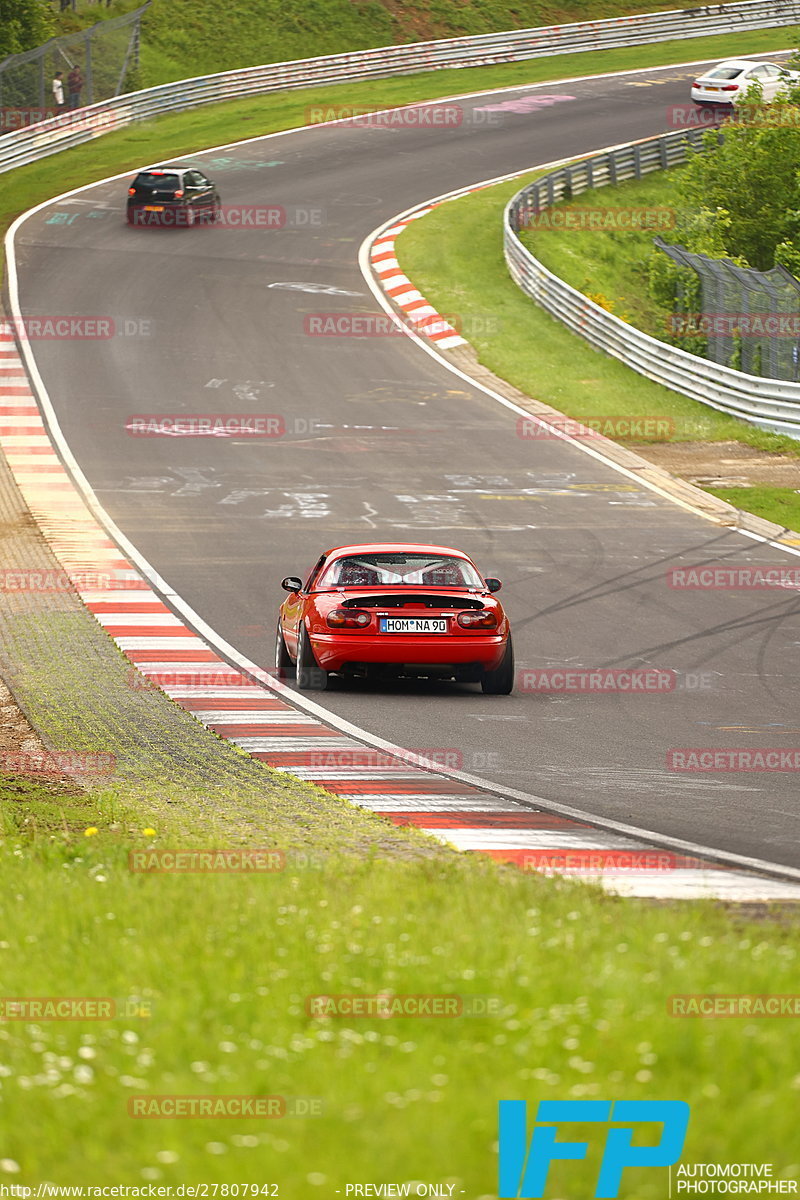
x,y
156,180
400,570
724,73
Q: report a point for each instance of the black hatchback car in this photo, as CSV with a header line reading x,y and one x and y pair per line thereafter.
x,y
172,196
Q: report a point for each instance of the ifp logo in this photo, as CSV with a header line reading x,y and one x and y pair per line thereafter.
x,y
523,1169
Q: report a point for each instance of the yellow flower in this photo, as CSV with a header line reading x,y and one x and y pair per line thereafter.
x,y
91,831
149,832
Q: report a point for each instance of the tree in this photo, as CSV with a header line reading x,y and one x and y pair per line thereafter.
x,y
742,196
24,24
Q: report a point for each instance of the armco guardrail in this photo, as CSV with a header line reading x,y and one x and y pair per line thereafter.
x,y
48,137
768,403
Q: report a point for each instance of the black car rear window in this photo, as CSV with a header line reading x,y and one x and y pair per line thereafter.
x,y
167,182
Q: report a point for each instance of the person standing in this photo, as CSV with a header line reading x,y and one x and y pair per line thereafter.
x,y
58,91
74,87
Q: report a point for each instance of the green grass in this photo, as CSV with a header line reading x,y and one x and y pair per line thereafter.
x,y
191,37
39,808
223,965
778,504
530,349
610,264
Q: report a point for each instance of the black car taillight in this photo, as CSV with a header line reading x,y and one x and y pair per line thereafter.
x,y
484,619
348,618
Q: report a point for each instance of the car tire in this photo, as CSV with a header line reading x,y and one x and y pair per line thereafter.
x,y
310,675
284,667
500,682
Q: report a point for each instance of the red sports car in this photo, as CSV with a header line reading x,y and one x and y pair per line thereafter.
x,y
391,609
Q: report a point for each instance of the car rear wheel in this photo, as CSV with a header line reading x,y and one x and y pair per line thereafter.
x,y
284,667
310,675
500,682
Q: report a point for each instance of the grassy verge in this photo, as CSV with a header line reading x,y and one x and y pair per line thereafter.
x,y
211,974
191,37
530,349
39,809
778,504
187,37
611,264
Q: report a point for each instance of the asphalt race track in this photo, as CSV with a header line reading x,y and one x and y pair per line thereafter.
x,y
384,443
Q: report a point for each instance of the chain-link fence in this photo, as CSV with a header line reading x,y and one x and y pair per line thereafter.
x,y
94,64
746,319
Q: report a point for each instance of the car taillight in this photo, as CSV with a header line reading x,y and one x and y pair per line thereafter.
x,y
180,193
349,618
471,619
730,87
131,191
698,83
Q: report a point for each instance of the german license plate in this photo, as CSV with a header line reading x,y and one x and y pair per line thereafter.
x,y
413,624
154,208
